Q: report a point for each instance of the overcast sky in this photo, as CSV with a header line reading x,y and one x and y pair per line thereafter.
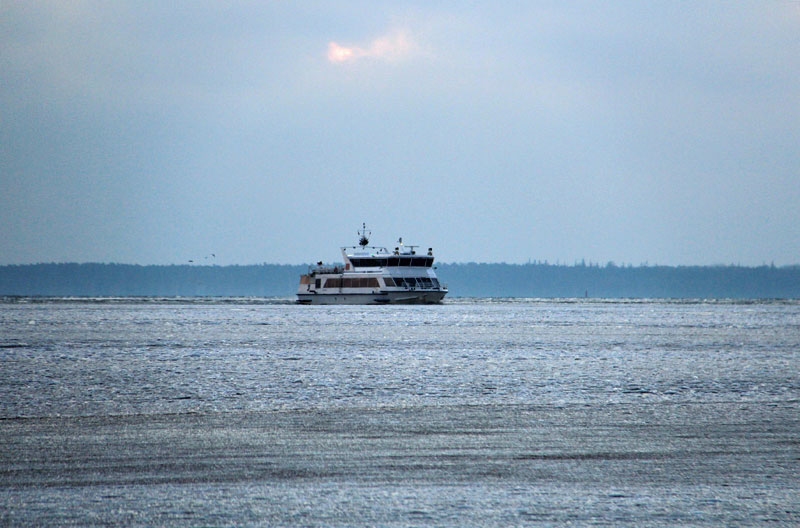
x,y
159,132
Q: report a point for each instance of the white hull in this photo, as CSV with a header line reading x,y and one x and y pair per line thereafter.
x,y
394,297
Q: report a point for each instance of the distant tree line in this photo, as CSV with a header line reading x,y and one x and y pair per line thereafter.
x,y
464,280
612,281
98,280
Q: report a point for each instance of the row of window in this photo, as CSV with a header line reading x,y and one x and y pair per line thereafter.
x,y
384,262
412,282
363,282
372,282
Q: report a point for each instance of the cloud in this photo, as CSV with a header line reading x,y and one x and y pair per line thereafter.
x,y
396,45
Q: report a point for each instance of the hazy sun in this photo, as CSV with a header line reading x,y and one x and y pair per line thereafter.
x,y
395,45
337,53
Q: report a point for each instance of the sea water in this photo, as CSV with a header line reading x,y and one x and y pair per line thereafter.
x,y
491,412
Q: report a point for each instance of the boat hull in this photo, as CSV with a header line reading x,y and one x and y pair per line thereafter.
x,y
392,297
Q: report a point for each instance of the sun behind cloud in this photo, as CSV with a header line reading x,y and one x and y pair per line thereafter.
x,y
337,53
395,45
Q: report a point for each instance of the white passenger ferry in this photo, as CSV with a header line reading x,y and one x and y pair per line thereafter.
x,y
374,275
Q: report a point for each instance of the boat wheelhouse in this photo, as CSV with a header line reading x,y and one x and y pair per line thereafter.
x,y
374,275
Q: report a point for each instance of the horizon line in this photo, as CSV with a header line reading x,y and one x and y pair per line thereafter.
x,y
578,264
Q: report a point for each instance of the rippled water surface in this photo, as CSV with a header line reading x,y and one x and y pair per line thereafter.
x,y
490,412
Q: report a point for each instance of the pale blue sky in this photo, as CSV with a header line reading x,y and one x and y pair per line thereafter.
x,y
158,132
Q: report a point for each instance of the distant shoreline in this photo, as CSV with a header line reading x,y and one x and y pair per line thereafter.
x,y
534,280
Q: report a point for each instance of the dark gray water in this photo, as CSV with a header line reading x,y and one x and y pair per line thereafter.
x,y
485,412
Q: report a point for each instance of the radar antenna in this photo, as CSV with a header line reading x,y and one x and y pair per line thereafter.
x,y
364,235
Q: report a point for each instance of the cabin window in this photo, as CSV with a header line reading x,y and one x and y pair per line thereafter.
x,y
370,262
388,281
418,262
358,282
316,283
435,283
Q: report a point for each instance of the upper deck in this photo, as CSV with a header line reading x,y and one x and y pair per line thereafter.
x,y
380,257
371,259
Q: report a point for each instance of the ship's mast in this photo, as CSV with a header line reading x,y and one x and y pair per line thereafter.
x,y
364,234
